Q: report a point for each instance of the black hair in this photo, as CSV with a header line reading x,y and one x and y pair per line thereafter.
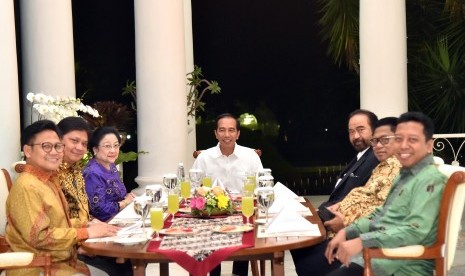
x,y
228,115
419,117
99,133
372,118
29,133
387,121
69,124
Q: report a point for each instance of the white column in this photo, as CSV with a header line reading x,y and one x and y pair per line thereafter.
x,y
161,87
9,105
189,50
383,57
47,49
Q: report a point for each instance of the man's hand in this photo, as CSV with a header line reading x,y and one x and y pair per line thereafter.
x,y
333,245
348,249
98,230
337,223
334,208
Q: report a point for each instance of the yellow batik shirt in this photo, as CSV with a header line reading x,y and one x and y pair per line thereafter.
x,y
362,201
38,222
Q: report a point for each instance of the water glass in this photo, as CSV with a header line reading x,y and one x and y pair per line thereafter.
x,y
170,181
195,175
265,198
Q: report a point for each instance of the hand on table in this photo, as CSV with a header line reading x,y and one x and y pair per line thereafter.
x,y
101,229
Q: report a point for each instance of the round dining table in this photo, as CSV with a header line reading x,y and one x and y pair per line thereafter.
x,y
270,248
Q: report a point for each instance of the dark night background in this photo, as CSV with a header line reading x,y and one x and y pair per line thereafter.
x,y
266,55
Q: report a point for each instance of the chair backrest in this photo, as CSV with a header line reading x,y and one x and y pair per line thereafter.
x,y
5,186
452,205
13,260
197,152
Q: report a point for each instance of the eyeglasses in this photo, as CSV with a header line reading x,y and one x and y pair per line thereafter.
x,y
47,146
383,140
109,147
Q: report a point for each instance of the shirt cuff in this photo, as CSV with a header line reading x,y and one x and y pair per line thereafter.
x,y
351,232
368,240
82,234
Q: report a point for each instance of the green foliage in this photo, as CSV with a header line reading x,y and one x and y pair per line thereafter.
x,y
131,89
436,60
194,97
128,156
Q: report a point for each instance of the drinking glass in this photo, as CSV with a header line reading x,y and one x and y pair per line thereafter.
x,y
173,203
247,206
142,208
185,190
170,181
154,192
207,180
249,184
265,181
195,175
265,198
156,221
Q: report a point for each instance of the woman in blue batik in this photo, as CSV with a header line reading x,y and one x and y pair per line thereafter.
x,y
107,194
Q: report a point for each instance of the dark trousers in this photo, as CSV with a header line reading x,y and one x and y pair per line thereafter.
x,y
108,264
240,268
312,260
352,270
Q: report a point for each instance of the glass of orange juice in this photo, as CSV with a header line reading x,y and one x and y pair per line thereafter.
x,y
156,221
247,206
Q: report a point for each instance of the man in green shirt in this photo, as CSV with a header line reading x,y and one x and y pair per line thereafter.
x,y
409,215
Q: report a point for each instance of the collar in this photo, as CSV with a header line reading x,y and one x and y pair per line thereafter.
x,y
76,167
361,153
40,174
428,160
217,153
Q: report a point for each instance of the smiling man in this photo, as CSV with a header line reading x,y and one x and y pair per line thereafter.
x,y
409,215
228,161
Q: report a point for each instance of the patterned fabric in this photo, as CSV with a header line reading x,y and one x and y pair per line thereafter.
x,y
231,170
204,243
362,201
38,222
73,187
104,190
409,216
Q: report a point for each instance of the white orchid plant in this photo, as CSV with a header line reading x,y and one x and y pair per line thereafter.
x,y
57,108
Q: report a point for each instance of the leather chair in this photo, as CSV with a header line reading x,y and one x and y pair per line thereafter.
x,y
443,251
12,260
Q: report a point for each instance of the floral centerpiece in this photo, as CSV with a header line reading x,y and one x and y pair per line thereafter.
x,y
211,201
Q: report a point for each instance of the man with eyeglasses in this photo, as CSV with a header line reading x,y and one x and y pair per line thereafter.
x,y
36,207
360,201
409,215
356,173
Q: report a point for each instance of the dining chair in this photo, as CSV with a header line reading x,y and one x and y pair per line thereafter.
x,y
197,152
443,251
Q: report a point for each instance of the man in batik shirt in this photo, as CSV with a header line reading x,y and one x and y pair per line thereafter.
x,y
410,214
360,201
36,208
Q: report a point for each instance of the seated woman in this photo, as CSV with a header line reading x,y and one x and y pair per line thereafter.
x,y
36,206
107,194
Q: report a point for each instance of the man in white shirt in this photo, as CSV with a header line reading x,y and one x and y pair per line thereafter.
x,y
228,161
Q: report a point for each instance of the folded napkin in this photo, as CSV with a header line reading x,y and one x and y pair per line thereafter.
x,y
281,191
290,204
218,182
288,220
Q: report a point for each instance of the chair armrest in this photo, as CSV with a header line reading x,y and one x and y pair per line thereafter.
x,y
15,259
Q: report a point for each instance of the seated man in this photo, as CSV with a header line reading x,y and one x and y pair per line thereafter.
x,y
229,162
37,210
359,202
409,215
356,173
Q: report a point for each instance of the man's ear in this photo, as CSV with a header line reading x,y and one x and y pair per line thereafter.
x,y
238,134
429,146
27,151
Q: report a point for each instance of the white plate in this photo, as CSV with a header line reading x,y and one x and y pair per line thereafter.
x,y
232,229
130,241
185,210
179,231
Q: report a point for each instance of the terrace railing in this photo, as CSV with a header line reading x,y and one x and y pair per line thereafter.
x,y
449,147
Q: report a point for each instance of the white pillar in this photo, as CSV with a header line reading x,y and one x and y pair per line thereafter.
x,y
9,105
161,87
189,50
47,49
383,57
